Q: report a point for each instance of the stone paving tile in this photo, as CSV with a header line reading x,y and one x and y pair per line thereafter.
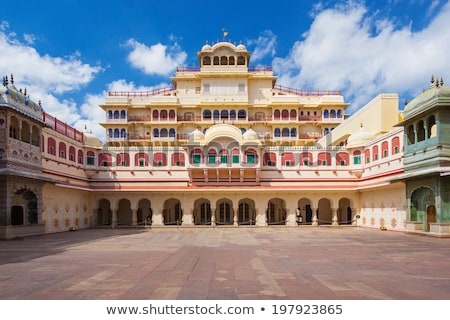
x,y
226,264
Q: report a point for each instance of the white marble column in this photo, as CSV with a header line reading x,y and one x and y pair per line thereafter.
x,y
334,217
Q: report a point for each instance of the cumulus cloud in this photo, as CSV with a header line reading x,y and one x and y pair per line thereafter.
x,y
347,48
265,45
91,115
46,78
157,59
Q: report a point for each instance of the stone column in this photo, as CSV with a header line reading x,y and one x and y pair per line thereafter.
x,y
260,211
158,219
235,217
115,213
213,217
188,216
134,217
334,217
354,214
315,221
290,213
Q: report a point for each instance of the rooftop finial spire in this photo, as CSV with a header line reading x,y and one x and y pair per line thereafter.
x,y
12,79
442,82
432,79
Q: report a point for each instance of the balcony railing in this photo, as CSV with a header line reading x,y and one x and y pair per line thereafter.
x,y
306,93
161,91
62,127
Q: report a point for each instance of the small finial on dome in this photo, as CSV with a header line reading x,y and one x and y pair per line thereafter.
x,y
442,82
12,79
85,126
25,91
432,79
406,102
6,81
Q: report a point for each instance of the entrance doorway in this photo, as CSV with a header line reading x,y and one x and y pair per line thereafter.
x,y
431,215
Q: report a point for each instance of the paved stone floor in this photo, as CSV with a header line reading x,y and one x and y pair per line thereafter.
x,y
226,263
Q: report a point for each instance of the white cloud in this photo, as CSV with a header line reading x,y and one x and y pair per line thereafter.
x,y
265,45
341,51
157,59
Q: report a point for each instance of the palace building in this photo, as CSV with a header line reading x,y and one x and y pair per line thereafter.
x,y
227,146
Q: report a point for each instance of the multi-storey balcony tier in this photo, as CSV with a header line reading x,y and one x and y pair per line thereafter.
x,y
223,89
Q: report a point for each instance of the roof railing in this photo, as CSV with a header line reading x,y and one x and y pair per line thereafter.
x,y
160,91
300,92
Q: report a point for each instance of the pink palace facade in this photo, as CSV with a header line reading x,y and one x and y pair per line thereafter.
x,y
224,146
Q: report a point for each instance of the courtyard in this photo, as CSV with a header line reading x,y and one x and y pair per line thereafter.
x,y
226,263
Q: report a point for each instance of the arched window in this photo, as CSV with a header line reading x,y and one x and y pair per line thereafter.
x,y
51,146
339,114
206,114
62,150
223,60
285,132
270,159
293,132
164,133
105,160
172,133
431,127
384,149
224,114
123,160
333,114
235,153
159,159
251,156
207,61
155,115
325,113
212,155
196,156
172,114
110,114
410,135
276,114
324,159
90,158
367,155
285,115
116,133
232,114
72,153
216,114
35,136
123,114
216,61
342,159
306,159
110,133
123,133
293,114
395,145
375,153
277,132
241,61
80,156
356,157
242,114
177,159
25,132
155,133
141,159
116,114
163,114
231,61
14,128
420,131
223,156
288,159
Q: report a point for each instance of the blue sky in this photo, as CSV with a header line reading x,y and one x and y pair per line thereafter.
x,y
69,54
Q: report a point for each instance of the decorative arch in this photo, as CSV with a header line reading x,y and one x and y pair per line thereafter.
x,y
172,212
224,212
344,211
104,212
324,214
246,212
276,212
202,212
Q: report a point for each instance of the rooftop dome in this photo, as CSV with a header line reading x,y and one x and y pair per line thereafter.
x,y
206,47
429,98
359,138
250,134
196,136
241,47
90,140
